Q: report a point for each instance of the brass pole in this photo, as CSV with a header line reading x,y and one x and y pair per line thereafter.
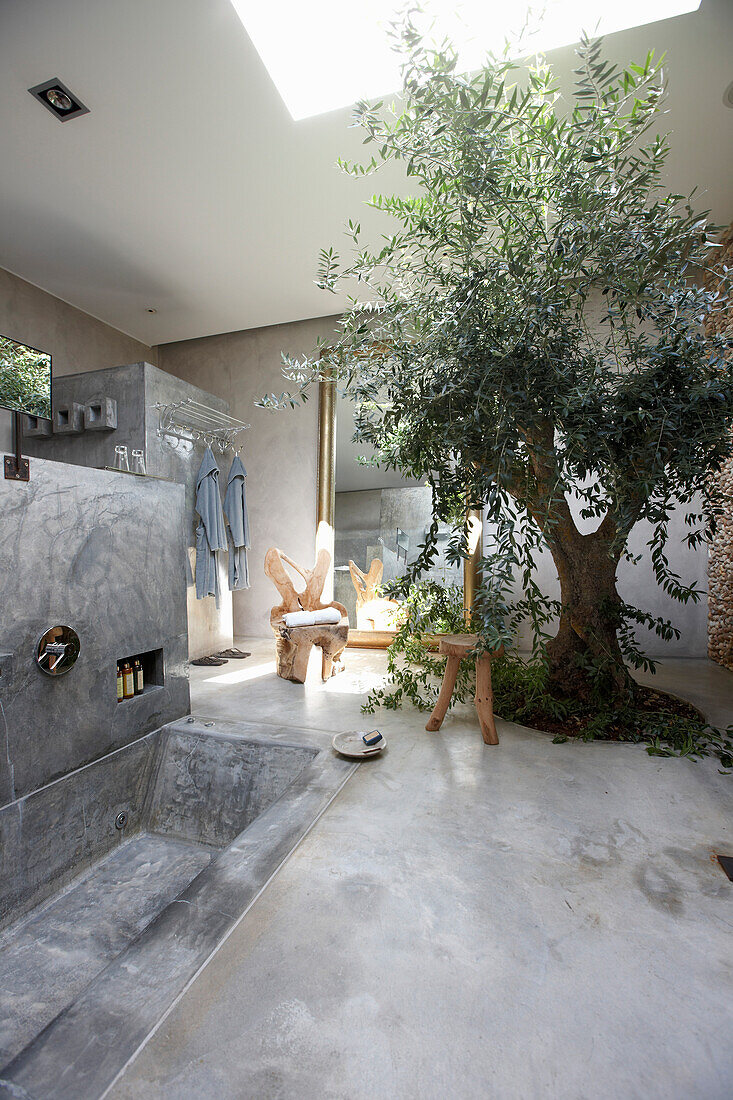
x,y
471,570
326,451
326,493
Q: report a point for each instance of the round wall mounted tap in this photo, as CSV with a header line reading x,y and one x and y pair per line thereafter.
x,y
57,650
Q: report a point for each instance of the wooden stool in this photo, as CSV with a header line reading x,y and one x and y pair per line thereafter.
x,y
455,647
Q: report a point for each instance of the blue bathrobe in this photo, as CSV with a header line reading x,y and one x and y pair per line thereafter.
x,y
211,531
235,507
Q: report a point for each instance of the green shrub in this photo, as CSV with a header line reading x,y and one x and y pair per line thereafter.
x,y
667,726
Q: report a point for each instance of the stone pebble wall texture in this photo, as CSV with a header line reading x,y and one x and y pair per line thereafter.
x,y
720,563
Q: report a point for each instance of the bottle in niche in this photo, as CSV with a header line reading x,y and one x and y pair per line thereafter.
x,y
128,681
139,678
120,684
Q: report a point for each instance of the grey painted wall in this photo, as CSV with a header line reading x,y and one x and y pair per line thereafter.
x,y
137,388
280,449
76,341
103,553
210,628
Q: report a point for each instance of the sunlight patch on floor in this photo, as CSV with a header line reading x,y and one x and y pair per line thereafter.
x,y
241,675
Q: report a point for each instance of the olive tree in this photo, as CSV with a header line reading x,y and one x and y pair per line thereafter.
x,y
528,335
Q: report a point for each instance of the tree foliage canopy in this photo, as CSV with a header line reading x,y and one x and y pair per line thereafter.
x,y
25,378
529,337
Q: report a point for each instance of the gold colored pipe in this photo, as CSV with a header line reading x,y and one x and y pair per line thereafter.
x,y
471,570
326,451
326,492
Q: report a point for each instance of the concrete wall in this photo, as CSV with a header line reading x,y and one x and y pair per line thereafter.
x,y
76,341
137,388
210,628
103,553
280,450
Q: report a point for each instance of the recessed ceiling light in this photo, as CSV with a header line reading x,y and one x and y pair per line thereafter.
x,y
59,100
728,95
151,310
335,52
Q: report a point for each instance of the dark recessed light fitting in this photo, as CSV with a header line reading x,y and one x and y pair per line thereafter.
x,y
151,310
728,95
59,100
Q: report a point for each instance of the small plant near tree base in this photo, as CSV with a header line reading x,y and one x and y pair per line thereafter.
x,y
530,340
667,726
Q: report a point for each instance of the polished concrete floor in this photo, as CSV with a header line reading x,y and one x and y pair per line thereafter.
x,y
529,920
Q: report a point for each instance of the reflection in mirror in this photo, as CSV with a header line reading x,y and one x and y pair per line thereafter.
x,y
381,520
25,379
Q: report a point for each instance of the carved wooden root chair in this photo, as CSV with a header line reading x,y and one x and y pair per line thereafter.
x,y
372,612
293,644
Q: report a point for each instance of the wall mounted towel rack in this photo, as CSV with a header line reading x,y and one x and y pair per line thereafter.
x,y
194,422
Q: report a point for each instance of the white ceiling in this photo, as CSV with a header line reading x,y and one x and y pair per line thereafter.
x,y
189,189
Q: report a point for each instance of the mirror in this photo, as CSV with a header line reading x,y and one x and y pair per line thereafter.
x,y
380,521
25,379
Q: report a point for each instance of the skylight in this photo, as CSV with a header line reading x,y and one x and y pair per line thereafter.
x,y
325,54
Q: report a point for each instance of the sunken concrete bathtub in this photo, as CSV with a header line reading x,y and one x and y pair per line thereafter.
x,y
119,880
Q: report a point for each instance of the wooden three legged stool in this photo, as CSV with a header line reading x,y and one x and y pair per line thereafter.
x,y
455,647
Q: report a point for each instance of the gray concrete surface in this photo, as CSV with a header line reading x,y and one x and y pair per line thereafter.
x,y
56,833
208,789
280,451
530,920
203,787
48,960
104,553
101,963
137,388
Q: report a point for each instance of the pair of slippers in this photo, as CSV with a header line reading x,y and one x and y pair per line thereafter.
x,y
221,658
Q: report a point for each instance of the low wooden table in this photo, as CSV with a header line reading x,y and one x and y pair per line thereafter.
x,y
455,647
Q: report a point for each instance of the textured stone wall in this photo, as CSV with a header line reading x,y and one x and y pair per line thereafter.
x,y
103,553
136,388
720,565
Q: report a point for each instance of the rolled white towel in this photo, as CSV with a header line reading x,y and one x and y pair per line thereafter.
x,y
299,618
327,615
312,618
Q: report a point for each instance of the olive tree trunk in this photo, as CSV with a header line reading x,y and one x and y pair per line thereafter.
x,y
585,655
590,616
